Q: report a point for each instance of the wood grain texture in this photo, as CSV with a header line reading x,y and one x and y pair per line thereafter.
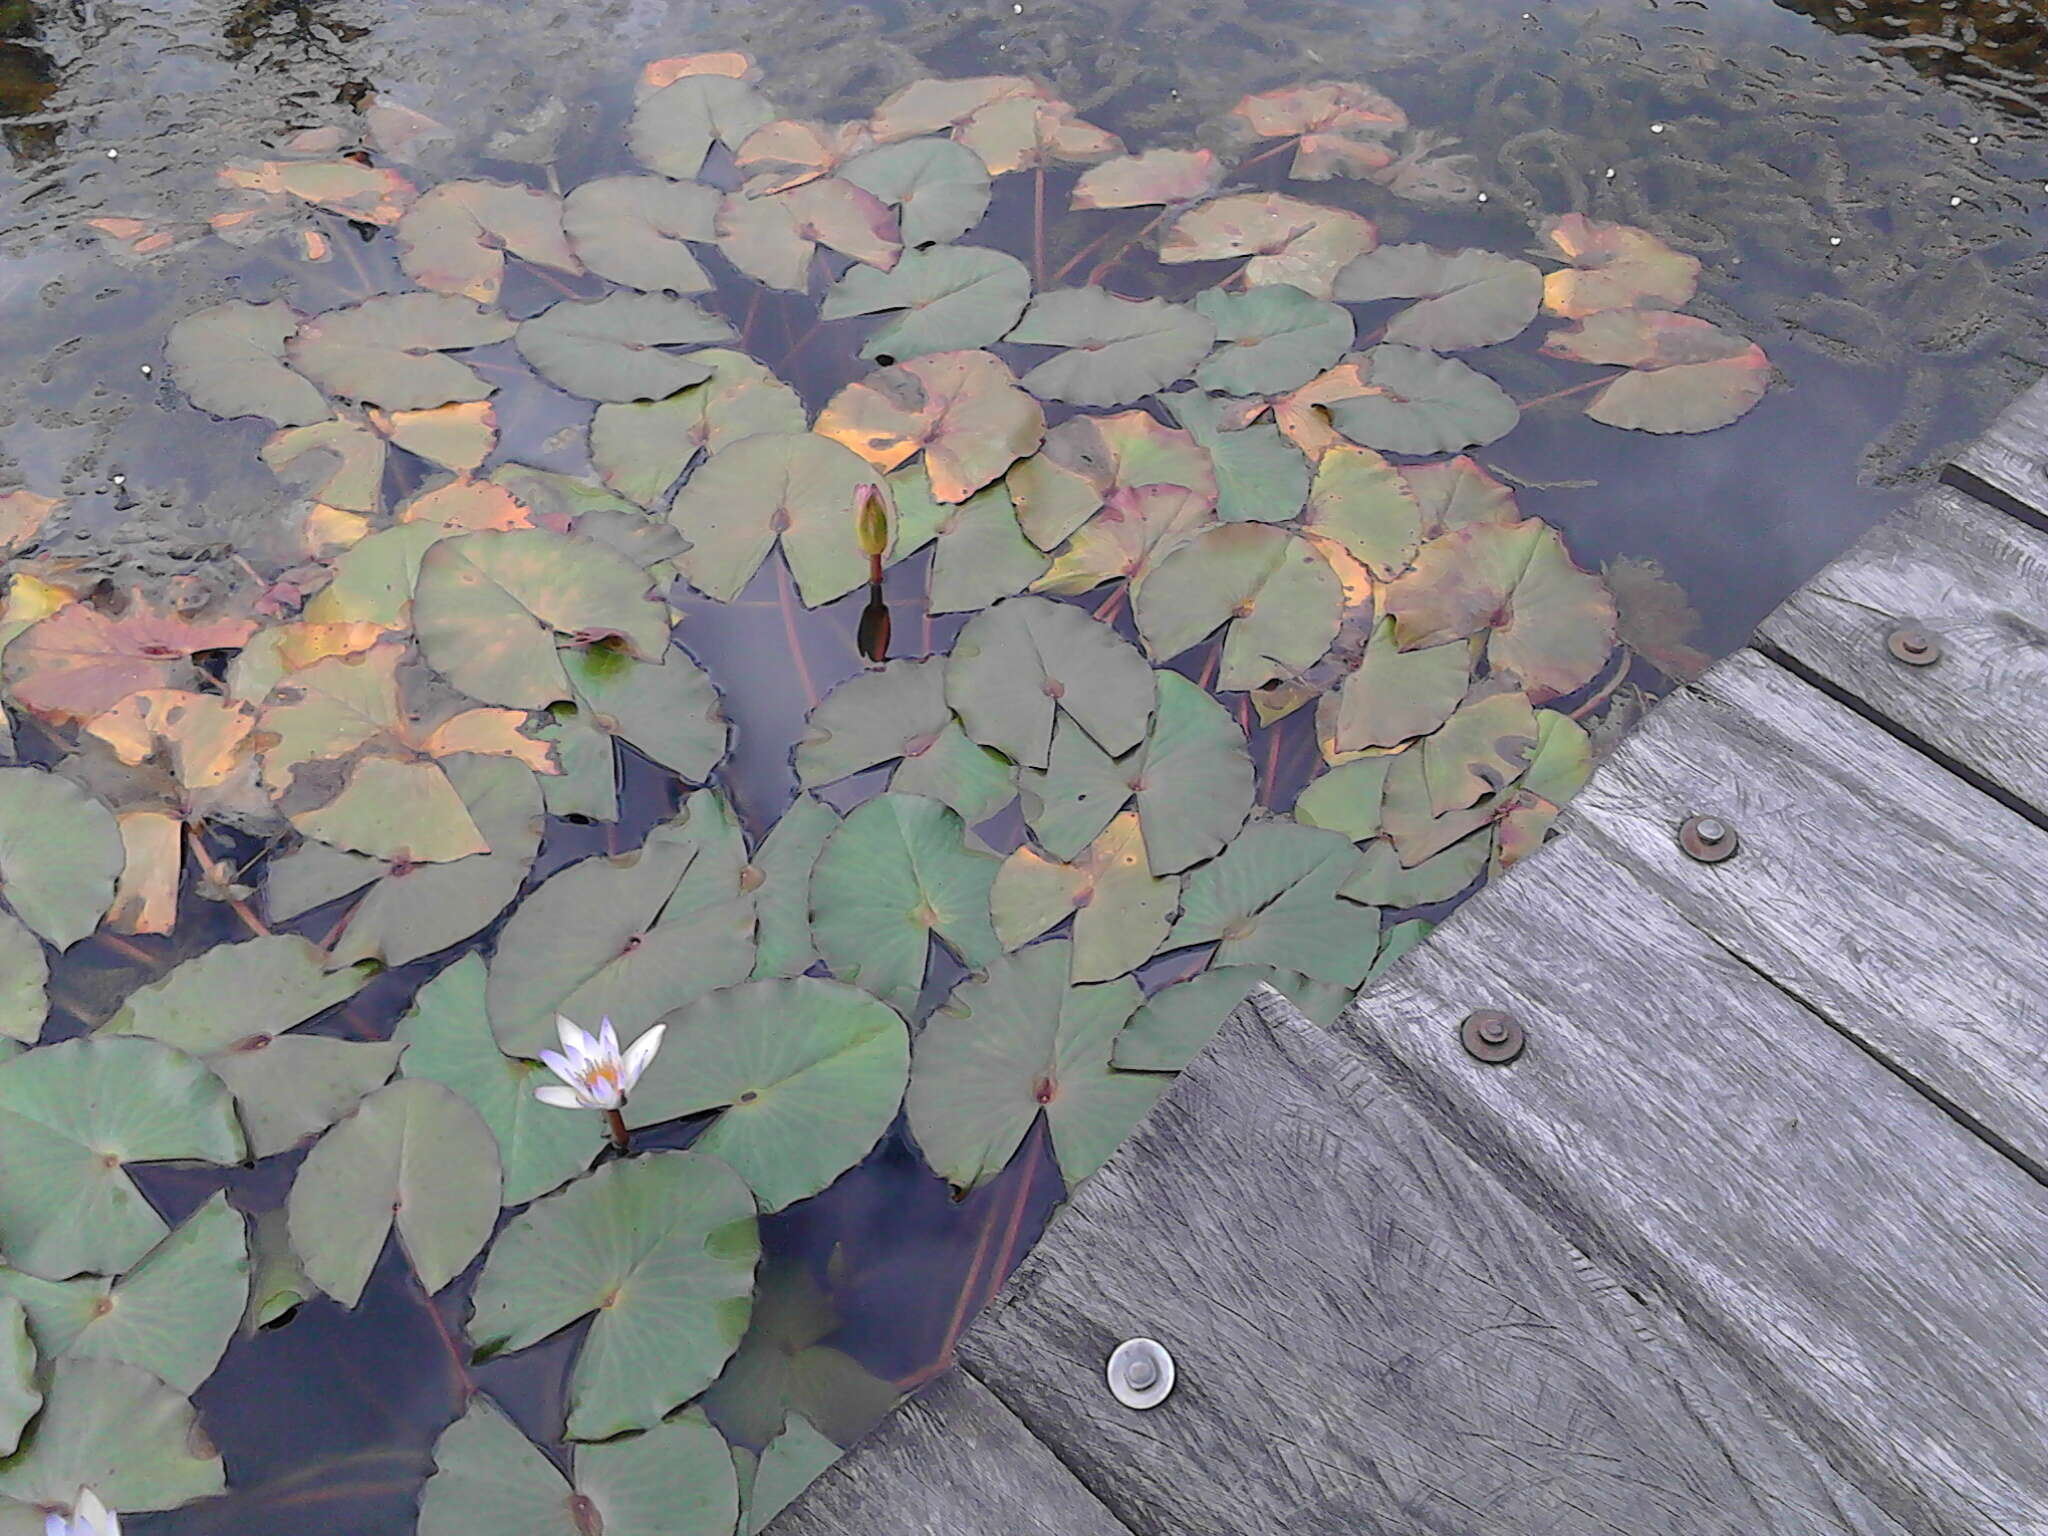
x,y
1372,1335
2012,455
1979,579
1872,1268
953,1461
1889,896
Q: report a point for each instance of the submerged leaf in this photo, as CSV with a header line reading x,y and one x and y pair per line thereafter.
x,y
1016,1042
1469,298
229,360
1277,595
1118,350
661,1248
1654,618
1025,659
1340,126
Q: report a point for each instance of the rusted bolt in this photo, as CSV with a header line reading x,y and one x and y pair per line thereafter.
x,y
1708,839
1914,646
1492,1037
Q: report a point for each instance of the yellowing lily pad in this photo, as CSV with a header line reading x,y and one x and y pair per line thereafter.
x,y
774,238
1340,126
1088,459
454,238
1121,910
1285,239
673,128
962,410
1156,177
1613,266
1685,374
1129,534
1368,506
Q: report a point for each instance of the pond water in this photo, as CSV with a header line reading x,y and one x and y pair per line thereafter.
x,y
1863,191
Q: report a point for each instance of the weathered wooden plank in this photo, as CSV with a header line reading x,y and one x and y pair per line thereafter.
x,y
1372,1335
2012,455
1872,1267
1889,896
1976,578
953,1461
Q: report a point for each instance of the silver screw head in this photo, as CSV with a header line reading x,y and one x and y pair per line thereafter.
x,y
1140,1373
1711,829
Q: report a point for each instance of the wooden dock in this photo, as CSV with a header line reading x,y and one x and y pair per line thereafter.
x,y
1752,1237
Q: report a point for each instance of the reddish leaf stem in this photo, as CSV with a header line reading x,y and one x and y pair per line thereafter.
x,y
215,873
1103,270
1566,394
1038,226
787,593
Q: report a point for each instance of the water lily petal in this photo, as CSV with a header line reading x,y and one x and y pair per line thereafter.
x,y
638,1055
560,1097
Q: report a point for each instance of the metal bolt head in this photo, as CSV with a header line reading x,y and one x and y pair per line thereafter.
x,y
1140,1373
1492,1037
1914,646
1708,839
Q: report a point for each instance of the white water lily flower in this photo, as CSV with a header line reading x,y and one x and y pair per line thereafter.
x,y
594,1074
88,1517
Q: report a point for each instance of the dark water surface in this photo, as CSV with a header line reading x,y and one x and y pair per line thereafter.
x,y
1867,187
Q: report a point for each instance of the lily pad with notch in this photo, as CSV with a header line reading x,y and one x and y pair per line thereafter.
x,y
391,350
1272,898
1274,337
229,360
1276,599
899,713
940,189
1468,298
798,488
60,853
616,348
940,300
455,237
1121,910
962,411
640,448
637,230
1025,660
1116,350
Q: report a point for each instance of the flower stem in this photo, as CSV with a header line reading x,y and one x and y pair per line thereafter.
x,y
616,1124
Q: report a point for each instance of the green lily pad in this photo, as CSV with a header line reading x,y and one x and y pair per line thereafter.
x,y
662,1249
1347,797
20,1397
1394,695
982,553
1178,1021
412,1157
1273,339
277,1283
1277,595
674,1480
946,299
1016,1042
1384,881
1271,898
455,237
1134,530
1026,659
1685,374
23,974
1365,504
1088,460
60,854
1559,620
171,1315
895,872
627,938
491,609
1427,404
118,1431
72,1115
899,712
410,910
229,360
1261,477
446,1038
674,128
665,708
224,995
939,189
1469,298
588,784
611,348
1121,910
373,582
782,901
636,230
391,350
1117,350
806,1076
1191,777
1479,751
798,487
790,1463
640,449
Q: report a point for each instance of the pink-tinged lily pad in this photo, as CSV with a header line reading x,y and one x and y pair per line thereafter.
x,y
940,106
774,238
1277,596
962,410
1429,170
1023,133
1135,529
797,487
1469,298
787,153
1286,239
1087,460
491,608
637,230
391,350
1655,619
463,505
1272,338
940,300
229,360
454,239
340,463
1455,492
366,194
639,449
612,348
1417,402
1366,505
1613,266
80,662
674,126
1159,177
22,515
657,73
1340,126
1686,374
1027,660
1117,350
939,189
1544,620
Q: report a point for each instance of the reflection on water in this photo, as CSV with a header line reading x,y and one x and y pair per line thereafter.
x,y
1880,236
1990,50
